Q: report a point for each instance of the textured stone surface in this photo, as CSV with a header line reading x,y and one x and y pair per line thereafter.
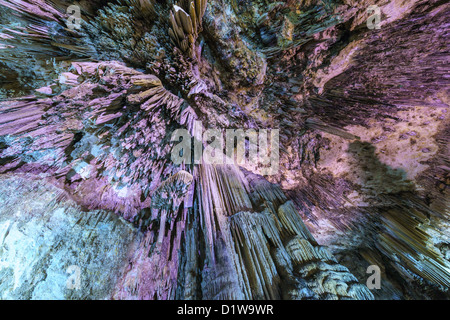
x,y
364,134
43,234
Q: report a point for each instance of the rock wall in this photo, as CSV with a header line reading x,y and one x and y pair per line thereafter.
x,y
87,117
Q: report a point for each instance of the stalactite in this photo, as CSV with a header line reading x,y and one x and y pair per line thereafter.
x,y
87,117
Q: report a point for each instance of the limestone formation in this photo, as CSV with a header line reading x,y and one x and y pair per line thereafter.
x,y
92,205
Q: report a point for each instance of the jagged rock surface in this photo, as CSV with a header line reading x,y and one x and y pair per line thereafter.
x,y
43,234
364,134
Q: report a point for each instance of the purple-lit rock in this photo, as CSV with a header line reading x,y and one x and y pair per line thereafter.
x,y
87,117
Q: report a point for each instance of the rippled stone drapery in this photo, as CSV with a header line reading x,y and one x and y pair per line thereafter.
x,y
364,140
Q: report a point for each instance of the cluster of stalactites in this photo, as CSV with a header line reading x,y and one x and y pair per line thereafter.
x,y
174,188
186,23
